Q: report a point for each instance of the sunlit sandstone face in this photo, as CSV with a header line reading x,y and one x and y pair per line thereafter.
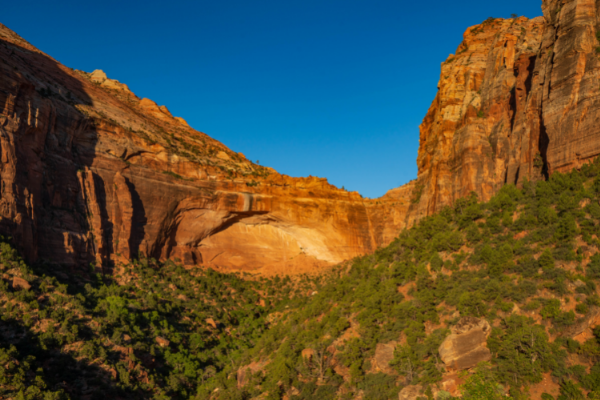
x,y
519,100
91,173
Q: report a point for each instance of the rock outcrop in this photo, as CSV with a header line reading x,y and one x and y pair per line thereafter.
x,y
483,127
245,373
20,284
467,344
384,354
583,329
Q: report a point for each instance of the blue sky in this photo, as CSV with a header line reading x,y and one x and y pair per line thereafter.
x,y
329,88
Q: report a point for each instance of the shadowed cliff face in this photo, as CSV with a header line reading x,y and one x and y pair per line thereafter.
x,y
91,173
38,135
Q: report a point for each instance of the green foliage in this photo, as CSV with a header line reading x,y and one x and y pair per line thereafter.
x,y
523,351
528,250
482,385
17,377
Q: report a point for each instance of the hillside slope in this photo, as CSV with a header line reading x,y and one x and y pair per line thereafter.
x,y
506,289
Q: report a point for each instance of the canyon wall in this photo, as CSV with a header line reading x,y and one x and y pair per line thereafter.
x,y
519,100
90,173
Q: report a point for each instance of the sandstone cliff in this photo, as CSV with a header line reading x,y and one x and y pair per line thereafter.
x,y
91,173
519,100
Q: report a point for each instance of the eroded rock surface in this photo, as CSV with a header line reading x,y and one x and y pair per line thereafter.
x,y
20,284
467,344
584,328
519,100
245,373
384,354
91,173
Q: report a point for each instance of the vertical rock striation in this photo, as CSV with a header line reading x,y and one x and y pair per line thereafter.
x,y
519,100
482,128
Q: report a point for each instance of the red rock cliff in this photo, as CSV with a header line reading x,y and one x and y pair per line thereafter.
x,y
91,173
519,100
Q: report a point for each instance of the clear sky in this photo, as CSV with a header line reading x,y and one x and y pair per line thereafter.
x,y
329,88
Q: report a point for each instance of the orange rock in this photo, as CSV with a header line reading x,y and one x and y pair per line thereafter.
x,y
162,342
211,322
467,345
481,131
583,329
411,392
149,184
384,354
20,284
307,354
516,101
245,372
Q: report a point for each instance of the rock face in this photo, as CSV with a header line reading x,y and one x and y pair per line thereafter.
x,y
91,173
483,127
384,354
584,328
20,284
519,100
162,342
245,373
467,345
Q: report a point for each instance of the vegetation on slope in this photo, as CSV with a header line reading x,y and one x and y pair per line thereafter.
x,y
528,261
160,335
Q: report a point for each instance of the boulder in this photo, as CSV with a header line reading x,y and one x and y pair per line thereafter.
x,y
162,342
20,284
467,344
307,354
211,322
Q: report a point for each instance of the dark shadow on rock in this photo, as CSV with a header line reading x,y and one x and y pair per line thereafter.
x,y
138,221
46,141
